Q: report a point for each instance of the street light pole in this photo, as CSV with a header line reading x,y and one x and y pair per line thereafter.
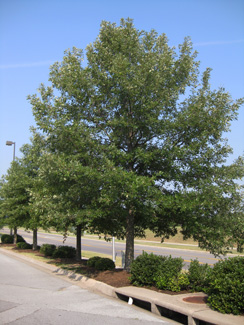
x,y
113,253
10,143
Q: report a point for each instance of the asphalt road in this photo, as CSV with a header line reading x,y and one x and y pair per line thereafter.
x,y
101,246
30,295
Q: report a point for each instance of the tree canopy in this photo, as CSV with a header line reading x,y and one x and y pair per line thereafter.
x,y
14,194
135,138
17,187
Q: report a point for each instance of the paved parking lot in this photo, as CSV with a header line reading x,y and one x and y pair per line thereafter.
x,y
29,295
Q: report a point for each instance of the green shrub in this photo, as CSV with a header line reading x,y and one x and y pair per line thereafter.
x,y
92,261
37,248
64,252
226,286
198,275
47,249
178,283
169,270
9,239
20,239
24,245
103,264
144,268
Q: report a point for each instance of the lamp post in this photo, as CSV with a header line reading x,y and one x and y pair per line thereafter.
x,y
114,255
10,143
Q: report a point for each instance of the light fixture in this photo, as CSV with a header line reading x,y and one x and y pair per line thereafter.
x,y
10,143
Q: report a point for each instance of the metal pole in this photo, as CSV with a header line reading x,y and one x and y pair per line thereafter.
x,y
114,257
10,143
14,152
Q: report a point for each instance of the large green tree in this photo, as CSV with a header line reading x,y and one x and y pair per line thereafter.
x,y
160,127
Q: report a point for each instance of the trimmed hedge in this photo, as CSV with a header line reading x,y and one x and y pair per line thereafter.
x,y
101,263
47,249
224,283
92,261
163,272
179,282
169,275
9,239
104,264
64,252
144,268
198,275
226,286
24,245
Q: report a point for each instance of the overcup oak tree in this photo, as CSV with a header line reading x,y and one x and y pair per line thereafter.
x,y
159,125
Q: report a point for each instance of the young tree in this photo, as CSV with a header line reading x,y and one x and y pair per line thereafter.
x,y
18,186
160,126
68,172
65,191
15,197
31,161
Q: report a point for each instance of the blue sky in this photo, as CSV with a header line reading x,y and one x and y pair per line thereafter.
x,y
34,34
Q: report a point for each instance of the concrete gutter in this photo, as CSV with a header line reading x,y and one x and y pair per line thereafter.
x,y
170,306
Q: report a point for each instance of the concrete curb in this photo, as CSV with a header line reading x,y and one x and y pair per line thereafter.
x,y
172,307
88,283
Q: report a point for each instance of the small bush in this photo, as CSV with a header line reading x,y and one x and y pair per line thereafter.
x,y
20,239
37,248
24,245
226,286
9,239
144,268
64,252
168,272
178,283
92,261
198,275
103,264
47,249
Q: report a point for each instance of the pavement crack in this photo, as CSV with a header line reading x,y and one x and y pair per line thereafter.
x,y
24,316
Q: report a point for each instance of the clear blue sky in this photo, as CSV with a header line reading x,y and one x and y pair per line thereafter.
x,y
35,33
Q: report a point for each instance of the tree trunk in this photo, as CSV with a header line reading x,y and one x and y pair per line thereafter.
x,y
34,239
240,248
78,243
15,235
129,248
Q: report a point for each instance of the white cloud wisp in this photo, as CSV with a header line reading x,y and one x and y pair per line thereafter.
x,y
25,65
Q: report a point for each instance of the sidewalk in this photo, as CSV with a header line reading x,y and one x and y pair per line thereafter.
x,y
175,307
